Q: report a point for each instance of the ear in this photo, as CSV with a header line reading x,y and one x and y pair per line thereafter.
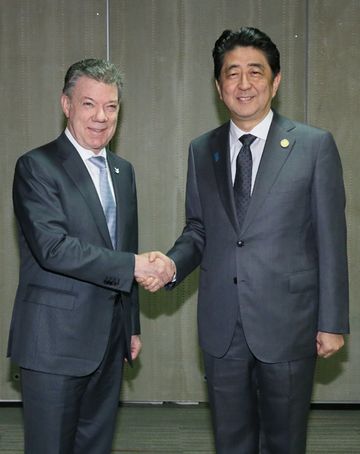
x,y
218,87
276,83
65,104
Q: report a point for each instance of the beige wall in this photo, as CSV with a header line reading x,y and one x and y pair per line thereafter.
x,y
164,48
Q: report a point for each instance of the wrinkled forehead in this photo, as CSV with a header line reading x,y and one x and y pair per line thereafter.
x,y
245,57
89,87
85,85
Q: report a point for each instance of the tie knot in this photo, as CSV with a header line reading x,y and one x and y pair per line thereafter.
x,y
247,139
99,161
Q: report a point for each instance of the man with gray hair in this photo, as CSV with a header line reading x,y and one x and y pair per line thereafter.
x,y
76,312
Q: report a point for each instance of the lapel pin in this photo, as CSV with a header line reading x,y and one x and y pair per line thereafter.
x,y
216,156
116,170
284,143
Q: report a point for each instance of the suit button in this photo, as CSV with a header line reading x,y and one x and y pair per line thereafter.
x,y
235,280
240,243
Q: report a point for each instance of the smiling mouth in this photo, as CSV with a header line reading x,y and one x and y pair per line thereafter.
x,y
244,99
97,131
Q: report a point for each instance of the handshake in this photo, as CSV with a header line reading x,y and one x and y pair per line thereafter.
x,y
153,270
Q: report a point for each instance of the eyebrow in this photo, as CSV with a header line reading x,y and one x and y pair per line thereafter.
x,y
250,65
257,65
116,101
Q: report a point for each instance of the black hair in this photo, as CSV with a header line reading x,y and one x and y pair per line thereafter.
x,y
245,37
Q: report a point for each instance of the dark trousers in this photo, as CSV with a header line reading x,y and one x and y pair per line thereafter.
x,y
75,415
258,407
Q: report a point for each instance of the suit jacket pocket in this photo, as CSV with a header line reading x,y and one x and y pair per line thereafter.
x,y
288,186
302,281
57,298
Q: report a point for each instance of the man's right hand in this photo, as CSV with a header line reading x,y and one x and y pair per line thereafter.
x,y
153,270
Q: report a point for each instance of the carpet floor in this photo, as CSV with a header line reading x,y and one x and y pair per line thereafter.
x,y
178,429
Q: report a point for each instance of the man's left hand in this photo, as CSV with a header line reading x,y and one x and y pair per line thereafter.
x,y
135,346
328,343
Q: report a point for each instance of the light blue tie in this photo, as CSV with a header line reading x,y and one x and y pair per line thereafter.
x,y
106,197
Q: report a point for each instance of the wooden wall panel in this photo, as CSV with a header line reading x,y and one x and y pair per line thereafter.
x,y
333,103
164,48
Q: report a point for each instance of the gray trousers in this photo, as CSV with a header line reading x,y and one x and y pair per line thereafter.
x,y
75,415
258,407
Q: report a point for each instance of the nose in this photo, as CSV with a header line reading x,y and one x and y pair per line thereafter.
x,y
244,83
100,115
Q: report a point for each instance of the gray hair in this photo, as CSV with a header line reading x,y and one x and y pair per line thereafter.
x,y
99,70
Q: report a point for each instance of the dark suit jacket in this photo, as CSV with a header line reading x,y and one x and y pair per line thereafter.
x,y
286,267
69,273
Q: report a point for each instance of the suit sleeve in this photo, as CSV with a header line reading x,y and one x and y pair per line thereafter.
x,y
188,249
134,295
328,206
44,228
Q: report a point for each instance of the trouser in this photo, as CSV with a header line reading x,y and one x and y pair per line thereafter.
x,y
75,415
258,407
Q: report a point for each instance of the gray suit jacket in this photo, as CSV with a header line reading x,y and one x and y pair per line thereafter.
x,y
69,273
286,268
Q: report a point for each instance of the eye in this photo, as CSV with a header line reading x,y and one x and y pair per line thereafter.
x,y
112,107
87,104
256,73
232,74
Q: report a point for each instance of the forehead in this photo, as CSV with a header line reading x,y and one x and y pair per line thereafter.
x,y
245,56
87,87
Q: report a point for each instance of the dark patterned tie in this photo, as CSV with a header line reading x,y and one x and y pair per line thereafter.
x,y
242,183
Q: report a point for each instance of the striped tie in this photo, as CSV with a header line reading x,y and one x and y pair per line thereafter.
x,y
106,197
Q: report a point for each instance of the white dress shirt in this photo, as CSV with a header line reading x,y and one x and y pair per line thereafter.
x,y
260,131
93,169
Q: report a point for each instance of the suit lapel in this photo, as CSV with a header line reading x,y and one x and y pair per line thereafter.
x,y
77,171
278,146
118,177
220,154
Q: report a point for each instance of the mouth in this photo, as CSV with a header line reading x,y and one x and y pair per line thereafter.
x,y
97,130
244,99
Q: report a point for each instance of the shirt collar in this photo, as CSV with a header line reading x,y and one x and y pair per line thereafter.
x,y
83,152
261,130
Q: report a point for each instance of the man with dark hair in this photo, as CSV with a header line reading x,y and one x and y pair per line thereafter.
x,y
245,37
76,313
265,221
